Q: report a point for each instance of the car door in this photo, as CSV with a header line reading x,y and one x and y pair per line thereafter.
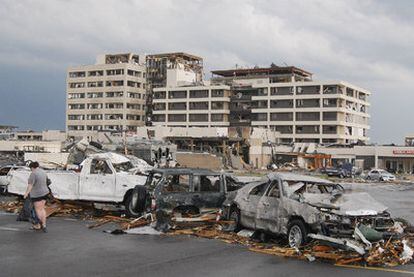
x,y
208,191
249,208
98,182
268,208
173,191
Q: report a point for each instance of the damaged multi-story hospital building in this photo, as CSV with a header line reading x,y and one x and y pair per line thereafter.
x,y
125,91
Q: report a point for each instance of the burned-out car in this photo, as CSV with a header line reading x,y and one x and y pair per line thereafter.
x,y
303,206
186,189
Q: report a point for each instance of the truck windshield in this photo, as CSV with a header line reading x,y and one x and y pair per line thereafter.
x,y
123,167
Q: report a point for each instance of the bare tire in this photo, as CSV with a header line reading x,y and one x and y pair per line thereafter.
x,y
135,202
297,233
235,216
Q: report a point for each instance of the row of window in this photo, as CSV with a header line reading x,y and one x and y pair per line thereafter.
x,y
103,117
109,94
114,83
109,72
304,103
93,106
300,116
193,94
305,129
101,127
215,105
191,118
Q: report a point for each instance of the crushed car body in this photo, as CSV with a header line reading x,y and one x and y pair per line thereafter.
x,y
297,206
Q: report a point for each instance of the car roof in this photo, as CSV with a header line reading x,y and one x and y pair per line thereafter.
x,y
194,171
296,177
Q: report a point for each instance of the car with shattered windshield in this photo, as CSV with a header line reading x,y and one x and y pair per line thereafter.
x,y
300,206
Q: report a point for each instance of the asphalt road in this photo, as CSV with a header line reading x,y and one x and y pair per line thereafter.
x,y
71,249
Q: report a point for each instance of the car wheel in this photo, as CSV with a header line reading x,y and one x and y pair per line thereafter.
x,y
135,203
381,179
368,178
297,233
235,216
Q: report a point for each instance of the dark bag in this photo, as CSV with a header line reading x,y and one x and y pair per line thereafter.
x,y
28,212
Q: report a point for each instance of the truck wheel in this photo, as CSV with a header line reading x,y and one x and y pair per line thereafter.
x,y
297,233
235,216
135,203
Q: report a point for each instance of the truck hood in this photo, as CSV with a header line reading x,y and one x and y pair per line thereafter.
x,y
350,204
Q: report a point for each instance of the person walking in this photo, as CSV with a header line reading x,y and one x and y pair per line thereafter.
x,y
38,191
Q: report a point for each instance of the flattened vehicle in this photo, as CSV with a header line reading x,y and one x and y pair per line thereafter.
x,y
301,206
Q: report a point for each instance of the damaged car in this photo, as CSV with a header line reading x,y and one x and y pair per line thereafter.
x,y
302,207
188,191
107,178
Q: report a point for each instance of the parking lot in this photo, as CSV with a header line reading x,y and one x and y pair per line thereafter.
x,y
71,249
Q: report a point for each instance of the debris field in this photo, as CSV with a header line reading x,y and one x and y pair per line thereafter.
x,y
384,253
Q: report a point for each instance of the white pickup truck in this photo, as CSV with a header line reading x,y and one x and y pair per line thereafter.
x,y
105,178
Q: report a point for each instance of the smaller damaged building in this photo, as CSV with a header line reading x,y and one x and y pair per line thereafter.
x,y
303,207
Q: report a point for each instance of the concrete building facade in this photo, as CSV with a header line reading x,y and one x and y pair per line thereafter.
x,y
109,95
284,99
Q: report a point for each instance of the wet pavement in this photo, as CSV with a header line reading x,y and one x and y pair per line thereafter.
x,y
71,249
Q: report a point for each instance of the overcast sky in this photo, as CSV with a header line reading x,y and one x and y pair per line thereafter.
x,y
367,43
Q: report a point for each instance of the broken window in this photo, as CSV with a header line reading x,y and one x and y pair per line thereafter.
x,y
281,91
262,92
114,116
76,106
133,84
350,92
114,83
77,74
330,102
114,105
217,93
76,95
274,190
159,106
307,103
100,167
206,183
94,117
111,94
111,72
134,95
308,89
95,84
94,94
95,73
160,94
283,129
259,190
76,117
134,73
133,106
76,85
176,183
133,117
307,129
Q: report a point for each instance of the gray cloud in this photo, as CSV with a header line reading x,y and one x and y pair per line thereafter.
x,y
367,43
